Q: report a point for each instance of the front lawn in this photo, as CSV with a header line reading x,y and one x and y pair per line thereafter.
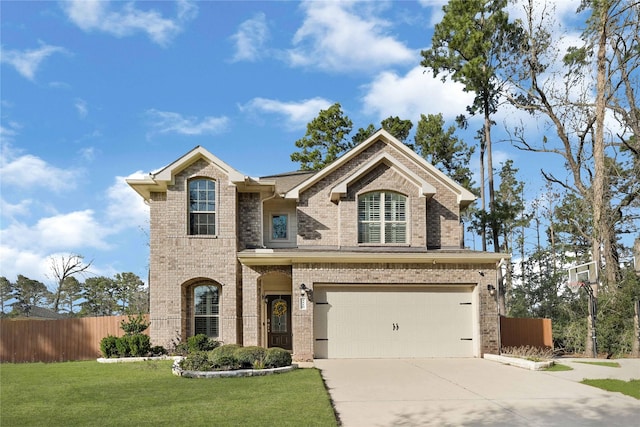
x,y
147,393
607,364
630,388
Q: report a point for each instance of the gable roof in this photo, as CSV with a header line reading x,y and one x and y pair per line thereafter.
x,y
159,181
464,196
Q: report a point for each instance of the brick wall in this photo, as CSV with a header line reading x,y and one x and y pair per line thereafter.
x,y
322,222
249,227
179,260
463,274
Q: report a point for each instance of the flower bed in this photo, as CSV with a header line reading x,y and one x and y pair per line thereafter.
x,y
178,371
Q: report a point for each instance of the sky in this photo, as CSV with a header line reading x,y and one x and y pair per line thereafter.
x,y
93,93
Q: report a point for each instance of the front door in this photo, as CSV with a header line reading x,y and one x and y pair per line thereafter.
x,y
279,321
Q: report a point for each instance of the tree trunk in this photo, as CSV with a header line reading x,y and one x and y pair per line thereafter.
x,y
483,231
494,226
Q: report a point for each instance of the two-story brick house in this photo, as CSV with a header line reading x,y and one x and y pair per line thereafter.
x,y
361,259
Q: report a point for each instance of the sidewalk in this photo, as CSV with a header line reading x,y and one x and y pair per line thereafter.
x,y
629,369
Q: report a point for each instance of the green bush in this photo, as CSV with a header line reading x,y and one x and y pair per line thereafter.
x,y
197,361
158,350
248,356
134,325
233,356
108,346
224,357
139,344
201,342
122,344
277,357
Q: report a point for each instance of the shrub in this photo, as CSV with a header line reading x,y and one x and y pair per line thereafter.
x,y
535,354
122,344
197,361
224,357
108,346
135,325
277,357
158,350
139,344
248,356
201,342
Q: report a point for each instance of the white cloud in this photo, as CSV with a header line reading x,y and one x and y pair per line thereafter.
x,y
334,38
413,94
27,62
76,231
96,15
29,171
81,107
79,229
296,114
26,262
250,39
10,211
126,209
170,122
7,133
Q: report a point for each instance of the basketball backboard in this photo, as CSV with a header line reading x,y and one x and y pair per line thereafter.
x,y
585,273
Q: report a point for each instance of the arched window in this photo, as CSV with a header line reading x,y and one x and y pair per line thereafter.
x,y
202,206
382,218
206,313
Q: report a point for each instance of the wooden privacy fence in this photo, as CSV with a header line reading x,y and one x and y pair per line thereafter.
x,y
27,340
518,332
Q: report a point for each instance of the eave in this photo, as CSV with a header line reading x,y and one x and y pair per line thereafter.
x,y
255,257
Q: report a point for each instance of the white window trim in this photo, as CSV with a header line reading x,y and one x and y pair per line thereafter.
x,y
382,222
279,239
215,212
193,308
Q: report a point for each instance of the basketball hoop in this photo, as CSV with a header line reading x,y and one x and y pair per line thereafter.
x,y
575,286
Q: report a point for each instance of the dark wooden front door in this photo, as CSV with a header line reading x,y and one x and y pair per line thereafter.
x,y
279,321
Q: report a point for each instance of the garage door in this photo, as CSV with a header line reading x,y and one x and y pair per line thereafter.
x,y
369,322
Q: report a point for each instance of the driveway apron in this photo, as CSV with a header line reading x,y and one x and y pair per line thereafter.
x,y
467,392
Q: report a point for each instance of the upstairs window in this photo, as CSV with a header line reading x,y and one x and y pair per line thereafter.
x,y
202,207
382,218
279,229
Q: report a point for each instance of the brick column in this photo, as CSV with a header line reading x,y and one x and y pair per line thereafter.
x,y
250,307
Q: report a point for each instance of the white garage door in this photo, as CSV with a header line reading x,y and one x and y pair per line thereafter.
x,y
368,322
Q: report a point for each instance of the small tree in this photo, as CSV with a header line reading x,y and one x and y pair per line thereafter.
x,y
63,267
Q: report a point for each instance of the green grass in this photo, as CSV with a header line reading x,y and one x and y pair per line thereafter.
x,y
557,367
147,393
609,364
630,388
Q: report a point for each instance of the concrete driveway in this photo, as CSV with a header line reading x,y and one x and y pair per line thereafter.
x,y
474,392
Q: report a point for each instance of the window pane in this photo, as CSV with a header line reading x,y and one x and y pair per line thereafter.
x,y
373,209
206,325
279,311
202,223
395,233
206,310
279,226
202,195
369,233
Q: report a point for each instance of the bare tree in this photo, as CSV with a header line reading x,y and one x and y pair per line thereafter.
x,y
63,267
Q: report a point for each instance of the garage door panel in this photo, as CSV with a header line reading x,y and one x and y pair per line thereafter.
x,y
374,322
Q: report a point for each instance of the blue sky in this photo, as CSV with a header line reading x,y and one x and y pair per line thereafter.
x,y
95,92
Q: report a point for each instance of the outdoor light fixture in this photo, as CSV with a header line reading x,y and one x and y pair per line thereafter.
x,y
265,298
491,289
306,291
